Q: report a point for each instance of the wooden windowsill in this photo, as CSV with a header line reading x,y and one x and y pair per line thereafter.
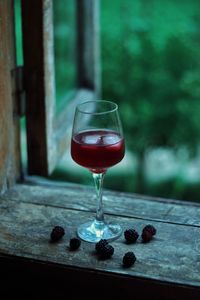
x,y
170,263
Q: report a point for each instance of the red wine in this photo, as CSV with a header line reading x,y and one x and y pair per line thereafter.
x,y
97,150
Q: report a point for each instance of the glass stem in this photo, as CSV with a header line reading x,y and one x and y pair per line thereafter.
x,y
98,181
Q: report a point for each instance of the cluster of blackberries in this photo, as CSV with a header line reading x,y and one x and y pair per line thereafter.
x,y
58,232
104,249
132,235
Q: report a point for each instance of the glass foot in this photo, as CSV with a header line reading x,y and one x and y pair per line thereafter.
x,y
94,231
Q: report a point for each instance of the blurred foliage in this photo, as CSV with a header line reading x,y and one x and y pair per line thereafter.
x,y
18,32
151,67
154,86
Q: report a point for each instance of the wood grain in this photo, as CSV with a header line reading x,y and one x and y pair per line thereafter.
x,y
29,212
9,120
115,203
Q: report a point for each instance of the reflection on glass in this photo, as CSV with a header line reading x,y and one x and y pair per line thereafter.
x,y
65,49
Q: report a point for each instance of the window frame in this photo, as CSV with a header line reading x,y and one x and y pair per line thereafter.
x,y
10,166
48,132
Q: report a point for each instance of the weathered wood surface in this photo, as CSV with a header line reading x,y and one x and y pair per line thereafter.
x,y
28,213
9,120
64,195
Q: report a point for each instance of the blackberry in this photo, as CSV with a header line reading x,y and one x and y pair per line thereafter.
x,y
100,245
57,233
129,259
131,236
146,236
150,228
106,251
74,244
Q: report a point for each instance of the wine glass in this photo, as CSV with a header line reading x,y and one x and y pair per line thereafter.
x,y
97,144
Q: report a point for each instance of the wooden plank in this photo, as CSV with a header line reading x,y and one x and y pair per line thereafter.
x,y
73,196
171,257
9,120
89,45
37,28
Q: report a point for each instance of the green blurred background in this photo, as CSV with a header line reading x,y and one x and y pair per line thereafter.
x,y
150,60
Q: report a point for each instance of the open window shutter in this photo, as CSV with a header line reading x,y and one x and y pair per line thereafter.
x,y
48,134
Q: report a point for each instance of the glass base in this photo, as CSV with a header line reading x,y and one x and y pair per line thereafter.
x,y
94,231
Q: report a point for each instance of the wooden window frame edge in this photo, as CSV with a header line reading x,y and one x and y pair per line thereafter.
x,y
10,166
49,202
